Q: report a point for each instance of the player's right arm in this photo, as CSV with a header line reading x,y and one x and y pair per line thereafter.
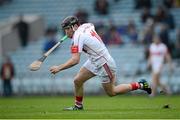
x,y
70,63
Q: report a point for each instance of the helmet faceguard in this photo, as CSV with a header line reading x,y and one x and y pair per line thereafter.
x,y
69,22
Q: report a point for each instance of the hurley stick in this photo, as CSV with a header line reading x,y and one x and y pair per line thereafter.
x,y
37,63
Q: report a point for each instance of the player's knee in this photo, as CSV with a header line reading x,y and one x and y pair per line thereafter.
x,y
77,82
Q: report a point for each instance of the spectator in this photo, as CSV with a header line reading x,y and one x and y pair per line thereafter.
x,y
147,33
146,14
50,39
160,14
164,16
7,74
82,16
168,3
143,3
170,21
132,32
102,30
23,31
113,37
176,50
146,36
101,7
164,36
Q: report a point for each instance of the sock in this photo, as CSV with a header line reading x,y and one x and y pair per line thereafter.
x,y
78,101
135,85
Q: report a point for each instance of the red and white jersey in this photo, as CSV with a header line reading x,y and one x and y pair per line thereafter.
x,y
87,40
158,52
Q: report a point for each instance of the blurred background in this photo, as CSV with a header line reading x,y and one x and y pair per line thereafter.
x,y
28,28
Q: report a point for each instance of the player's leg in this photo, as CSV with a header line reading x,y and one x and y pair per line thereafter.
x,y
82,76
112,90
156,74
164,87
155,83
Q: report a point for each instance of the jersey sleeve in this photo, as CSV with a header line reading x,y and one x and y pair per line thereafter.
x,y
77,44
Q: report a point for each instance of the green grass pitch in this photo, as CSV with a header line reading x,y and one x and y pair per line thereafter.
x,y
96,107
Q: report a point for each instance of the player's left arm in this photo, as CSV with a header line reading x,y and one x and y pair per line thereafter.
x,y
169,61
168,57
74,60
76,50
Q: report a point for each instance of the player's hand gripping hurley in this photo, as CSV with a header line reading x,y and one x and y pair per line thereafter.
x,y
37,64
